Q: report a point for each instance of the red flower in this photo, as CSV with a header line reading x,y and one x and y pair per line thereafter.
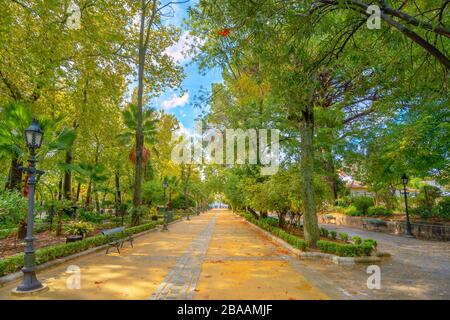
x,y
224,32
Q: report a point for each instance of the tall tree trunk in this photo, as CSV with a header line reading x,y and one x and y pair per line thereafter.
x,y
15,173
118,194
88,193
60,189
97,201
78,191
144,37
68,176
331,177
311,227
137,196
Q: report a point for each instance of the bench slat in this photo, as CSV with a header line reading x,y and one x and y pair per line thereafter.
x,y
113,231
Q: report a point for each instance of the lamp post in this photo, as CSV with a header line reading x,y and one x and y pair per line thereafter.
x,y
33,136
405,193
165,206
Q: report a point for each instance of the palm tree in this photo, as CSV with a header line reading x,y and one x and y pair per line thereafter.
x,y
94,173
14,119
149,130
128,137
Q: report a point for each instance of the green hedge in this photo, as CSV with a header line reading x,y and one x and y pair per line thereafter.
x,y
363,248
347,250
15,263
352,211
267,225
379,211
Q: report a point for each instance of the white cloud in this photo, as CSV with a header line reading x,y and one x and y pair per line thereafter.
x,y
175,101
179,51
183,131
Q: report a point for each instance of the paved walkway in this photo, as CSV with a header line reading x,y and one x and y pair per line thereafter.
x,y
216,255
418,269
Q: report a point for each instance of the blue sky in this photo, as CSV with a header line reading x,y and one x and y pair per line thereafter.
x,y
177,102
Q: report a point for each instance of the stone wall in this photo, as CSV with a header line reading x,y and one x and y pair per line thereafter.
x,y
426,231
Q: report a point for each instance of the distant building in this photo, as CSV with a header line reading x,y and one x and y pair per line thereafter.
x,y
355,187
358,188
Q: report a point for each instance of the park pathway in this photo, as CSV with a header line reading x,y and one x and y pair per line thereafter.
x,y
216,255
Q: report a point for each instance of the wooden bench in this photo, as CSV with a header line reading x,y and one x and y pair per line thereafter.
x,y
116,238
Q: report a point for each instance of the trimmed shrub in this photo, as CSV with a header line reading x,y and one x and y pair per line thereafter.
x,y
333,235
360,248
357,239
352,211
266,224
324,232
362,204
345,250
343,236
371,242
270,220
379,211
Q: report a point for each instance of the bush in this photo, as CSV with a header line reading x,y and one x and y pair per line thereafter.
x,y
333,235
324,232
153,211
267,225
270,220
79,228
5,233
352,211
137,213
93,217
442,209
362,204
371,242
357,239
379,211
427,196
12,208
344,250
343,236
342,202
423,212
179,202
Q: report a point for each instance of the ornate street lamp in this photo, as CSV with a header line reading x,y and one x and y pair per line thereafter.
x,y
405,193
33,137
165,206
